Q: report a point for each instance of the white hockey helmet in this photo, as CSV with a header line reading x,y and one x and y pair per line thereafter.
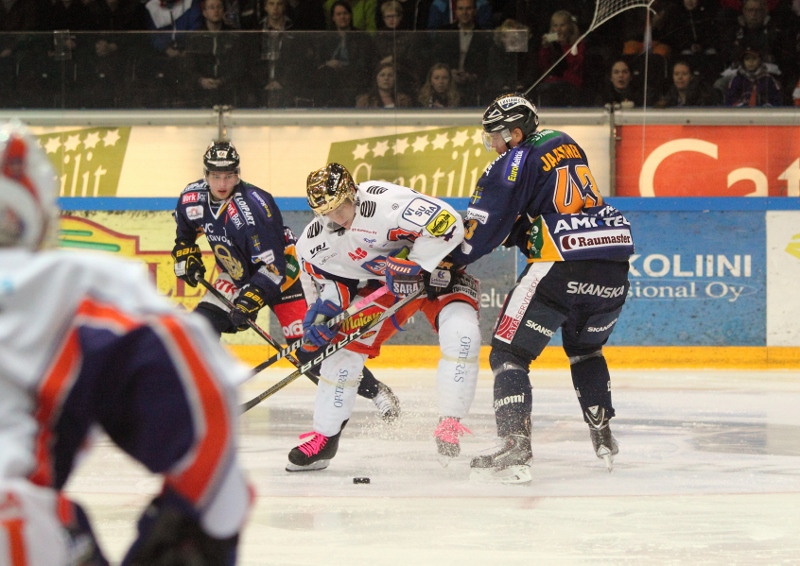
x,y
329,187
28,189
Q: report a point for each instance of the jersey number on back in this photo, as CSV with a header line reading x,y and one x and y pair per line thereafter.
x,y
575,189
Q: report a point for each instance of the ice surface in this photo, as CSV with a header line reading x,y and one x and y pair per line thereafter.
x,y
708,473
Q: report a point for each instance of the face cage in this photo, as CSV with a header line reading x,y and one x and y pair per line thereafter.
x,y
505,133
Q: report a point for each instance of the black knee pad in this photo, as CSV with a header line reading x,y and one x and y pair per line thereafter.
x,y
216,316
592,384
513,398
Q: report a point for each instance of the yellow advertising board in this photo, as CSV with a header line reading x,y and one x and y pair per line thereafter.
x,y
158,161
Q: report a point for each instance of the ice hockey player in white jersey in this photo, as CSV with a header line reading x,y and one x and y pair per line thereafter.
x,y
86,341
361,234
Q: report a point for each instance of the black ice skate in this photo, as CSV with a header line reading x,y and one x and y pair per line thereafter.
x,y
446,435
314,454
388,404
510,464
604,443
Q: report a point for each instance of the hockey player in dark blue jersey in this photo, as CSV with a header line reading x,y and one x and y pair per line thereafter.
x,y
255,254
540,196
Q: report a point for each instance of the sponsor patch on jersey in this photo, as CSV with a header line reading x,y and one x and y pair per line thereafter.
x,y
441,223
266,257
256,241
597,239
480,215
194,212
420,211
272,273
233,214
514,166
190,197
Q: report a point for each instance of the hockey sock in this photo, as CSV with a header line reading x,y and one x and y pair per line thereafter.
x,y
513,397
368,388
592,384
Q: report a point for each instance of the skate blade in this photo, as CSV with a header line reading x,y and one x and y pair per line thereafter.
x,y
607,456
512,475
314,466
444,460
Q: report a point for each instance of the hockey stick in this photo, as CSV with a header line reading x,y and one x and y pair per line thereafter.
x,y
331,349
345,314
604,10
224,300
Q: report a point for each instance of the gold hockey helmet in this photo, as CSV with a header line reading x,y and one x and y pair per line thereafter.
x,y
329,187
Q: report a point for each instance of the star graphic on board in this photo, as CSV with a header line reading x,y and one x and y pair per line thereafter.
x,y
400,145
380,148
72,142
91,140
460,138
477,138
361,151
440,141
52,145
420,143
112,137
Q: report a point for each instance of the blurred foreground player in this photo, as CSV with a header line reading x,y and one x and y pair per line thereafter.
x,y
541,196
86,341
361,234
255,255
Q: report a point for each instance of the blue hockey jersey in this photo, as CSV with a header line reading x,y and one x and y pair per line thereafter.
x,y
246,234
541,196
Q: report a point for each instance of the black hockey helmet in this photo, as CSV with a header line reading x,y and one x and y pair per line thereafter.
x,y
509,111
221,156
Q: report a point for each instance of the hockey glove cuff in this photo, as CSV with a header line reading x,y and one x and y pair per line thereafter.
x,y
188,262
246,306
403,277
440,281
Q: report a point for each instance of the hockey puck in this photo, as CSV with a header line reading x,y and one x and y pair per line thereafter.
x,y
360,480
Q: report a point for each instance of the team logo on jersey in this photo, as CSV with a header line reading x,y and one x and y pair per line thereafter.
x,y
194,212
441,223
231,265
368,209
420,211
190,197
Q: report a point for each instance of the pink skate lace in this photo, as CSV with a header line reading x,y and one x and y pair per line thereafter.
x,y
314,445
450,429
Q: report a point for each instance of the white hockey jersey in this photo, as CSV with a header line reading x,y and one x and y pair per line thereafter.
x,y
388,218
86,340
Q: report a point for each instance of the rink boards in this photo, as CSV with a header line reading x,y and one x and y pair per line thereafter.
x,y
713,280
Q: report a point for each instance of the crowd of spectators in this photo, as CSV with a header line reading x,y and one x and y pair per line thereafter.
x,y
395,53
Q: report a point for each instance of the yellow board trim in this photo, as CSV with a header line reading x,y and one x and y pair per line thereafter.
x,y
621,357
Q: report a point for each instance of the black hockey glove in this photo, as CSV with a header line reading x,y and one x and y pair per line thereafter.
x,y
440,281
246,306
169,537
188,262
